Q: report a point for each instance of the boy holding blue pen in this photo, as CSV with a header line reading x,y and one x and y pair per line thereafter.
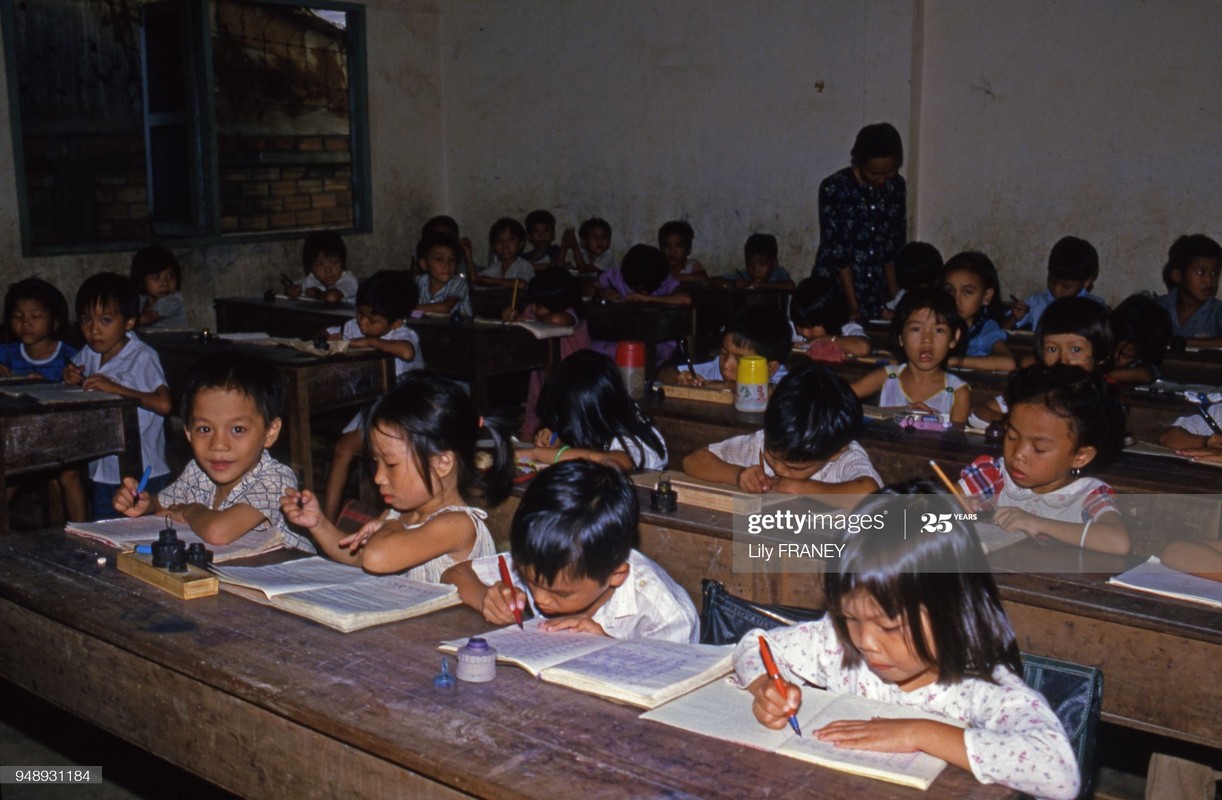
x,y
572,561
232,488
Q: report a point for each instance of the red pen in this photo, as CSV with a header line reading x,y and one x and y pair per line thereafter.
x,y
775,675
508,581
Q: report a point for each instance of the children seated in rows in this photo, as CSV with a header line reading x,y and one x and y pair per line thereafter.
x,y
573,558
232,486
1073,268
807,445
324,259
971,279
506,267
755,330
590,246
440,289
761,269
820,322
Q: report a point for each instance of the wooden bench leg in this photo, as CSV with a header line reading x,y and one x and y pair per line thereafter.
x,y
1171,778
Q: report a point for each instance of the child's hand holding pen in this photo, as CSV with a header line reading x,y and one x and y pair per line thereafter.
x,y
131,500
499,603
755,478
1018,308
770,707
301,508
73,374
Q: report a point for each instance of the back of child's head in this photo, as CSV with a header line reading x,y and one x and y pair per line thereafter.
x,y
150,260
1073,259
441,223
506,224
541,217
577,519
1184,251
433,414
944,311
323,243
880,140
761,244
43,293
918,265
389,293
818,301
676,227
238,373
1079,316
644,268
812,415
1144,326
982,267
910,574
586,402
437,239
106,288
556,290
760,327
1084,400
593,224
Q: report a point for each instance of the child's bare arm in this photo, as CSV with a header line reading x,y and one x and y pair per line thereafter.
x,y
961,406
1107,535
705,465
840,495
858,346
989,411
1198,558
1181,439
441,306
127,503
554,455
302,509
495,602
157,401
148,316
998,359
398,348
218,527
392,548
939,739
869,385
675,299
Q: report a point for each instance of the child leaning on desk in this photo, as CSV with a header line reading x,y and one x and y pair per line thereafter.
x,y
761,269
573,560
157,276
324,258
917,621
232,486
383,304
422,436
754,330
807,444
116,361
440,288
820,322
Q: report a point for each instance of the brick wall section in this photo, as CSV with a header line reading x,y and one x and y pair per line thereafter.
x,y
284,182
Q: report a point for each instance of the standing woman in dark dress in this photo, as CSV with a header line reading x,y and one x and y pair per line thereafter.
x,y
863,221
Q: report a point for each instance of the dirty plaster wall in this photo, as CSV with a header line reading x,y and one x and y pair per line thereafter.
x,y
405,135
1097,118
723,113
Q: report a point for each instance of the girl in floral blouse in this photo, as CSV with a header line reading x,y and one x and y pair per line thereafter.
x,y
915,619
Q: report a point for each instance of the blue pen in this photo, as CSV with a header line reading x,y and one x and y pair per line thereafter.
x,y
144,482
552,441
144,548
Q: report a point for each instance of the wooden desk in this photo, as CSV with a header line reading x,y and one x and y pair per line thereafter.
x,y
471,352
266,704
313,384
716,305
37,436
1159,657
650,323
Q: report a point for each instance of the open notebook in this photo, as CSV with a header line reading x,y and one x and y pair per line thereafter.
x,y
639,672
125,533
336,595
539,330
1156,578
994,538
723,711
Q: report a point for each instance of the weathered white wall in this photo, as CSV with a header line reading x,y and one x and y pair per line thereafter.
x,y
640,112
405,122
1097,118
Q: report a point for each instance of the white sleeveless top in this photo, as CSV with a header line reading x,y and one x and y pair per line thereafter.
x,y
892,394
430,571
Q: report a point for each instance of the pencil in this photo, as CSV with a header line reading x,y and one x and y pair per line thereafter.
x,y
514,302
949,484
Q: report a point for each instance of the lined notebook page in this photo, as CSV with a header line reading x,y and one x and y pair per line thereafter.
x,y
643,666
125,533
1157,578
292,576
534,650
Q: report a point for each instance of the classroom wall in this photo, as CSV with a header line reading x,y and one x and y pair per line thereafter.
x,y
1097,118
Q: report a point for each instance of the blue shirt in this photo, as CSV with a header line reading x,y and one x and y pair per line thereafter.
x,y
20,364
982,336
1036,304
1205,322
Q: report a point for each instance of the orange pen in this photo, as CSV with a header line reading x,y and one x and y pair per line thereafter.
x,y
777,681
508,581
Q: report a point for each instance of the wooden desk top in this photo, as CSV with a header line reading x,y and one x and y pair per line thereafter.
x,y
368,694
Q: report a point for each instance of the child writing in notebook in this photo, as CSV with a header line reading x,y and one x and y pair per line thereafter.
x,y
917,621
925,330
586,413
1191,274
807,445
1193,433
761,269
1142,330
553,297
573,558
116,361
1073,268
971,279
675,241
383,304
440,288
821,324
756,330
324,258
422,436
37,316
541,233
158,278
231,488
642,278
506,267
1062,422
590,246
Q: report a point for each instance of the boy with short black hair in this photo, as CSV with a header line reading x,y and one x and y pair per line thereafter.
x,y
541,234
761,269
807,445
1073,267
114,360
757,330
591,246
231,489
573,560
